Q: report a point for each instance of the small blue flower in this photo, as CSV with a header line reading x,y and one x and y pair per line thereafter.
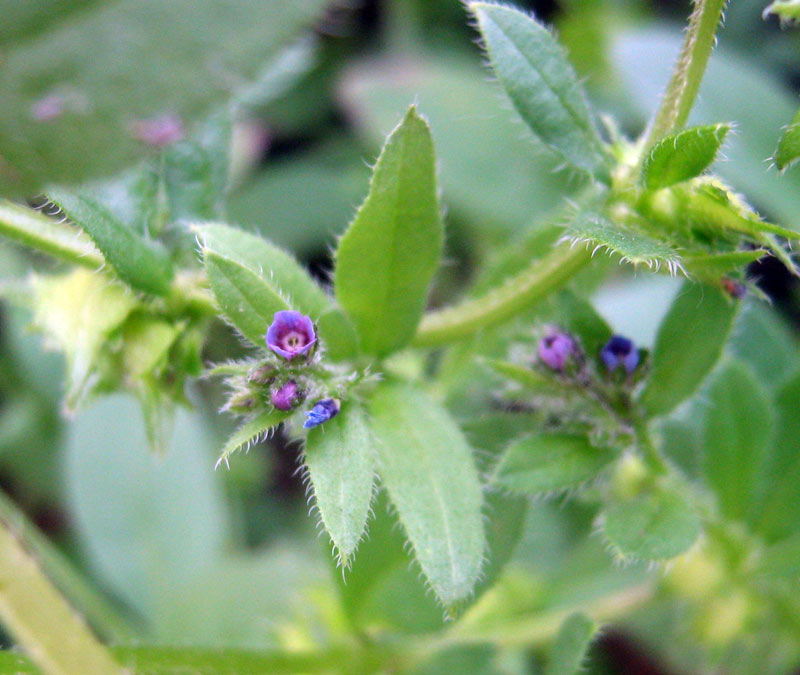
x,y
620,351
555,349
321,412
291,334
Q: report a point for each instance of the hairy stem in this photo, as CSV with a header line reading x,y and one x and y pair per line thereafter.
x,y
56,638
685,83
536,282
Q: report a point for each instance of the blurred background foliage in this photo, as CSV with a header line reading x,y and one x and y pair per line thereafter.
x,y
164,550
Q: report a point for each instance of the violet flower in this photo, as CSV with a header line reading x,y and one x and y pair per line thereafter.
x,y
286,397
321,412
555,349
620,351
291,334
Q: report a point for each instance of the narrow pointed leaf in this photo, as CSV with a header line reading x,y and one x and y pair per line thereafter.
x,y
251,432
679,157
688,345
548,462
542,85
428,469
387,257
738,431
341,464
788,149
274,265
142,263
657,525
244,297
570,646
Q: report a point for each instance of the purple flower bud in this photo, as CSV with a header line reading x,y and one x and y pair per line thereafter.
x,y
620,351
159,131
286,397
291,334
47,108
555,349
321,412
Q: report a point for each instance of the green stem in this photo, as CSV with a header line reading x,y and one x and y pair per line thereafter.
x,y
29,227
650,452
685,82
45,626
531,285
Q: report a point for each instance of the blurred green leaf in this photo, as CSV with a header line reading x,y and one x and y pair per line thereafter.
x,y
549,462
132,198
688,345
657,525
679,157
570,646
386,259
71,113
144,522
542,85
738,432
338,335
142,263
428,469
341,465
788,149
787,10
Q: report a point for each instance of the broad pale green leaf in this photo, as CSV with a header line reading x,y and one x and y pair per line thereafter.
x,y
427,467
72,113
657,525
737,435
689,343
387,257
570,646
274,265
788,149
542,85
340,459
338,335
78,312
132,197
59,240
245,298
781,560
142,263
598,233
549,462
251,432
679,157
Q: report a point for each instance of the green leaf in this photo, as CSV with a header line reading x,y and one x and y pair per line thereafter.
x,y
738,431
786,10
143,264
387,257
710,268
132,197
61,241
679,157
542,85
657,525
549,462
597,232
781,560
137,73
251,432
338,335
428,469
245,298
341,465
78,312
689,343
274,265
788,149
570,646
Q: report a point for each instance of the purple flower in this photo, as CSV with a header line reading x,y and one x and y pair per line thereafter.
x,y
620,351
47,108
555,349
291,334
286,397
321,412
159,131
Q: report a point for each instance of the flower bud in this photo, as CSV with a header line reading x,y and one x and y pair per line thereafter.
x,y
620,351
556,349
287,396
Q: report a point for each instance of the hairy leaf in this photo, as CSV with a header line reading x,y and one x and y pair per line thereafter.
x,y
428,469
387,257
737,435
657,525
570,646
788,149
548,462
142,263
251,432
679,157
341,464
542,85
688,345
